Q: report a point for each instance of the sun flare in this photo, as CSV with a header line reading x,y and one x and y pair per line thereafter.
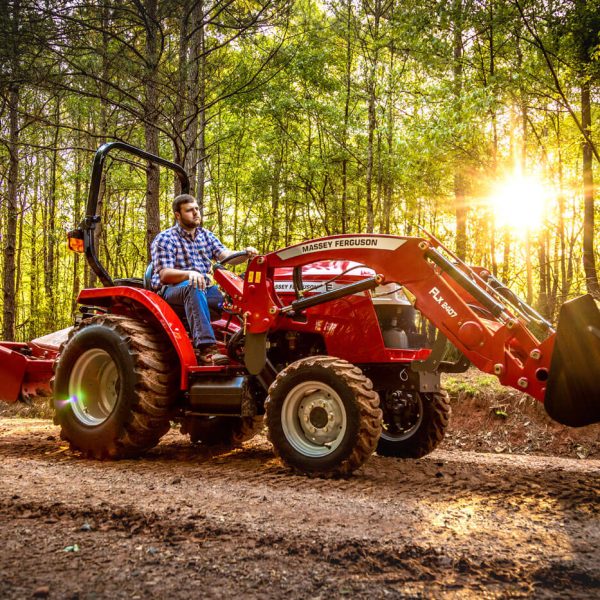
x,y
519,203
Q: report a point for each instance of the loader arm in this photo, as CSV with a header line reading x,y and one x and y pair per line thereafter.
x,y
488,331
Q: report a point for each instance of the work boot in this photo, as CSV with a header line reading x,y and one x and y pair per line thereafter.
x,y
210,355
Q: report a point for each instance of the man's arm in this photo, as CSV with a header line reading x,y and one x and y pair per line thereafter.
x,y
170,276
252,252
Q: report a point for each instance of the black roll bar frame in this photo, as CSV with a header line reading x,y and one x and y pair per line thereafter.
x,y
91,219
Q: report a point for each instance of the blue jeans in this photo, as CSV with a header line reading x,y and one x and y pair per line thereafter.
x,y
196,305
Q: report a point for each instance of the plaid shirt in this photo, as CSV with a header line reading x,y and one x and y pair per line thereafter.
x,y
175,248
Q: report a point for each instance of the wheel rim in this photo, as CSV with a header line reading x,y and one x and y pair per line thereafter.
x,y
314,419
94,387
401,421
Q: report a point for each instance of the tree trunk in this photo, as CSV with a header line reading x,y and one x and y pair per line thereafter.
x,y
195,88
33,282
12,204
150,128
201,176
506,255
12,207
77,214
18,272
372,124
348,86
388,172
459,178
179,150
90,275
276,193
494,119
50,266
372,116
191,35
523,166
589,263
565,283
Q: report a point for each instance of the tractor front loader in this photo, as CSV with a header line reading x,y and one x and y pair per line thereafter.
x,y
324,348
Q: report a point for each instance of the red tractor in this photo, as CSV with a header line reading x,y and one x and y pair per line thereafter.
x,y
323,342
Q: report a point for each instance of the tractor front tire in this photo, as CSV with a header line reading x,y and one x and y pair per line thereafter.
x,y
226,432
323,417
417,429
115,382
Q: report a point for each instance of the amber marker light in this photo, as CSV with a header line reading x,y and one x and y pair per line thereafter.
x,y
75,241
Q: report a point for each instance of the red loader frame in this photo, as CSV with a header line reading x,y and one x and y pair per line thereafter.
x,y
486,322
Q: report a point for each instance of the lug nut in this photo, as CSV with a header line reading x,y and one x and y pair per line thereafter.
x,y
523,382
535,354
498,369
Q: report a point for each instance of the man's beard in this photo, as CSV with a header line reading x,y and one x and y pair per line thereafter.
x,y
190,223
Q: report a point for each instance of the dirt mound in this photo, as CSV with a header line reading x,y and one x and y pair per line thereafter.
x,y
487,417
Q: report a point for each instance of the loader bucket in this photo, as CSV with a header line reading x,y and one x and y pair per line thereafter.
x,y
573,391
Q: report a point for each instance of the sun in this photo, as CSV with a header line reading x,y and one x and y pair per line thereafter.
x,y
519,204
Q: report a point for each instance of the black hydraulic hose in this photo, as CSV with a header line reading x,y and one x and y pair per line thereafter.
x,y
497,309
507,293
346,290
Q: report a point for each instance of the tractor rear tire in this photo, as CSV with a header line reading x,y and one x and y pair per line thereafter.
x,y
419,432
226,432
115,383
323,417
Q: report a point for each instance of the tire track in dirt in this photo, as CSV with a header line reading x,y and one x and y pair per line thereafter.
x,y
451,523
401,563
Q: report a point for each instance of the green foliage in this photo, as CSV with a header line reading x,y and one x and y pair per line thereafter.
x,y
275,109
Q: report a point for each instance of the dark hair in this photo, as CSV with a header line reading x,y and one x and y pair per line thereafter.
x,y
182,199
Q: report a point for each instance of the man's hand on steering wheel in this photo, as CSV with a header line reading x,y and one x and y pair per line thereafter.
x,y
235,258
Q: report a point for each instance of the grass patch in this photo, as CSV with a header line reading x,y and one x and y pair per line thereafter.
x,y
473,384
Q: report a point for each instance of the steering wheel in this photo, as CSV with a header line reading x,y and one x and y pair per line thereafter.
x,y
231,257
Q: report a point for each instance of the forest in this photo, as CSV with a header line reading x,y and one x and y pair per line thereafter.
x,y
473,119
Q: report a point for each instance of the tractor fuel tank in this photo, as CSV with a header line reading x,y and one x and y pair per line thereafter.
x,y
218,395
573,391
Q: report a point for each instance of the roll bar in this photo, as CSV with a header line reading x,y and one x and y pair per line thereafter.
x,y
91,219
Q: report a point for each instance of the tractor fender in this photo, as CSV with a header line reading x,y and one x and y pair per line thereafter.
x,y
128,300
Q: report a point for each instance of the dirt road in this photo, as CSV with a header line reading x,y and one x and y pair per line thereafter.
x,y
186,522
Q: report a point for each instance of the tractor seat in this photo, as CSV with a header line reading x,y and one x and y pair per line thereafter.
x,y
148,277
137,282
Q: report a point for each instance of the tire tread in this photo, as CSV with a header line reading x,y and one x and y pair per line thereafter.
x,y
155,387
367,402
